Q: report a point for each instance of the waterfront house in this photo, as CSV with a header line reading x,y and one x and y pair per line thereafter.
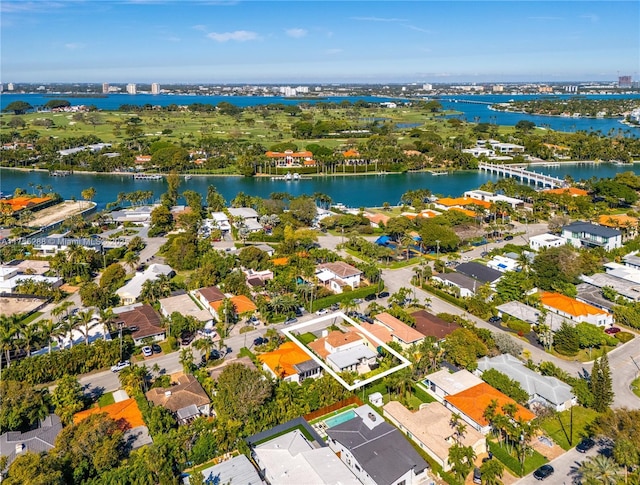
x,y
131,291
546,391
290,363
585,234
472,403
141,215
430,428
55,243
494,198
572,191
575,310
375,451
289,158
291,459
337,275
40,440
187,400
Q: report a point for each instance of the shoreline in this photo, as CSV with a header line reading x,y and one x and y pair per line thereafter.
x,y
620,119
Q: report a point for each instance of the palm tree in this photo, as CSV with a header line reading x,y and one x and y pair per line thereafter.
x,y
599,470
134,378
27,335
50,329
186,360
8,333
131,259
85,322
205,346
348,306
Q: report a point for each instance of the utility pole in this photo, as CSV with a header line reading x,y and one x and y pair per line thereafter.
x,y
438,249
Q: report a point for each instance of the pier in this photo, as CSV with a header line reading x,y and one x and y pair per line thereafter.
x,y
522,174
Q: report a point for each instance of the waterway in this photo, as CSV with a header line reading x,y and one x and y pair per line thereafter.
x,y
353,191
470,112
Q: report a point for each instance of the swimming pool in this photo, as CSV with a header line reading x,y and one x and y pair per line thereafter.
x,y
340,418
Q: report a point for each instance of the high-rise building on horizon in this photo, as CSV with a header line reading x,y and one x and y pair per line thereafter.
x,y
105,88
155,88
624,81
10,87
131,88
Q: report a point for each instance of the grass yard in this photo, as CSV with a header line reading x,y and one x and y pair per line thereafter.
x,y
512,464
306,338
106,399
635,386
585,355
558,427
30,318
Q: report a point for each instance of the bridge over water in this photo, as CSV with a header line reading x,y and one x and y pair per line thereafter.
x,y
522,174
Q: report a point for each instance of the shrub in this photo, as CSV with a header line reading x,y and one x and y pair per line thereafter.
x,y
518,326
624,337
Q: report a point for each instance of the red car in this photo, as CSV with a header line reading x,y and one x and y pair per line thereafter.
x,y
612,330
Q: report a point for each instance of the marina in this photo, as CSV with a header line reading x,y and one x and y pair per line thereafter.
x,y
147,176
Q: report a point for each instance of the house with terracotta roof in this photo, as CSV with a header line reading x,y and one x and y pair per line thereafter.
x,y
241,303
443,383
337,275
353,157
430,325
472,403
430,428
627,225
289,158
461,202
572,191
290,363
575,310
186,400
146,322
16,204
128,416
377,218
401,333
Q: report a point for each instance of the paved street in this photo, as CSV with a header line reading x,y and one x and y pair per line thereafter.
x,y
564,466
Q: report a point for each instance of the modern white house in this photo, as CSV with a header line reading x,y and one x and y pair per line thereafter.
x,y
337,275
56,243
11,277
544,241
503,264
513,202
586,234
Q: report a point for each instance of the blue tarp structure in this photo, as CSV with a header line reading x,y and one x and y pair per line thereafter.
x,y
383,240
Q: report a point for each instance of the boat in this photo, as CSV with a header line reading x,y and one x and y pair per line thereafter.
x,y
147,176
296,176
187,177
438,172
60,173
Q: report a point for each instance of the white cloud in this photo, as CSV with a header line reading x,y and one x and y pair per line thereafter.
x,y
419,29
379,19
20,7
238,35
74,45
296,33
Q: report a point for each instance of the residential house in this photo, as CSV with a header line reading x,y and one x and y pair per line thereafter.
x,y
443,383
472,403
447,203
431,325
290,363
575,310
208,295
337,275
129,418
547,391
185,305
401,333
55,243
503,264
504,148
353,157
11,277
348,351
146,322
465,286
495,198
257,279
626,288
265,248
375,451
187,399
572,191
217,220
246,217
544,241
627,225
430,428
131,291
480,272
236,470
242,304
531,315
585,234
290,459
39,440
289,158
632,260
140,214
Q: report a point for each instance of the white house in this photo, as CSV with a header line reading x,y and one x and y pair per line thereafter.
x,y
585,234
491,197
56,243
130,292
11,277
544,241
503,264
575,310
443,383
337,275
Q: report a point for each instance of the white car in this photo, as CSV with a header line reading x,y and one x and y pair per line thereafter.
x,y
120,365
322,311
146,351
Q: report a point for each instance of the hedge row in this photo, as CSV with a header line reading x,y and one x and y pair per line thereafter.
x,y
343,297
445,296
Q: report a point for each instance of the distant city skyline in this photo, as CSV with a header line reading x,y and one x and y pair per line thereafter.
x,y
224,41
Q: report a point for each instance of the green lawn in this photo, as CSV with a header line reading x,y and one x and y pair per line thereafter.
x,y
532,462
635,386
30,318
307,338
106,399
558,427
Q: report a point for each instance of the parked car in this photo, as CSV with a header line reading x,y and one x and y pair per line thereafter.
x,y
508,237
146,351
477,475
335,307
585,445
383,294
495,319
186,338
156,349
120,365
370,297
322,311
290,320
357,301
300,311
612,330
545,471
260,341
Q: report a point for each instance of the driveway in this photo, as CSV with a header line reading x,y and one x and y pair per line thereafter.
x,y
564,466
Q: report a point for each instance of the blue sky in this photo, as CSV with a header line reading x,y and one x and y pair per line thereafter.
x,y
222,41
